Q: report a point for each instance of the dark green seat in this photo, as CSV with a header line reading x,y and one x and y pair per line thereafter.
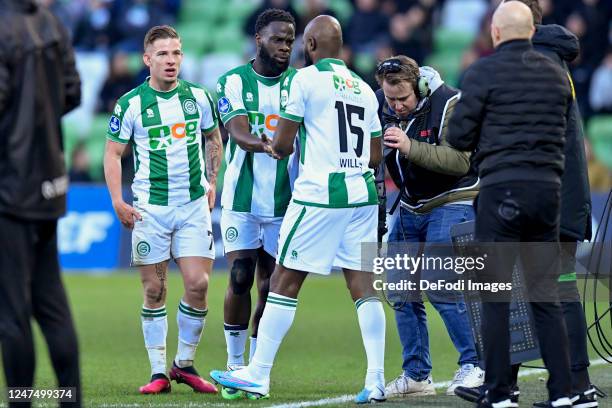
x,y
600,135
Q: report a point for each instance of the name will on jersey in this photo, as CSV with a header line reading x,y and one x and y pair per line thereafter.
x,y
350,163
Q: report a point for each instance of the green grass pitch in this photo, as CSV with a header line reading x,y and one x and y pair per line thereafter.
x,y
321,357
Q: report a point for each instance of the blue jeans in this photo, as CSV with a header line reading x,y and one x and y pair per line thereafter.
x,y
410,316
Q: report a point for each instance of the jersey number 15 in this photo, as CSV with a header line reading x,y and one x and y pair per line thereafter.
x,y
344,116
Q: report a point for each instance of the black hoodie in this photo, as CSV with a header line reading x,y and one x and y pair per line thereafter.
x,y
562,47
38,84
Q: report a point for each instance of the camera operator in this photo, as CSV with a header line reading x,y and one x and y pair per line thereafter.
x,y
437,186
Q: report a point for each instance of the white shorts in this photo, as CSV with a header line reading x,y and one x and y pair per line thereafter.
x,y
313,239
172,231
242,230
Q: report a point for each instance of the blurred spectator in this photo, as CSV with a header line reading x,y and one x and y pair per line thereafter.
x,y
131,21
391,7
79,168
120,80
366,28
249,25
596,16
171,7
463,15
313,8
69,12
483,45
411,33
600,95
93,30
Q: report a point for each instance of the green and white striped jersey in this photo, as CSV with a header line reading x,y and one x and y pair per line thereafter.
x,y
338,116
165,131
253,182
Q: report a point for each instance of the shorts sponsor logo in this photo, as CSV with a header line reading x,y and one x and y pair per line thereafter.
x,y
114,124
224,105
294,255
189,106
231,234
143,248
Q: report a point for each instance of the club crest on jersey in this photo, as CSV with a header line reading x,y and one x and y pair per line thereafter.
x,y
224,105
249,97
143,248
189,106
114,124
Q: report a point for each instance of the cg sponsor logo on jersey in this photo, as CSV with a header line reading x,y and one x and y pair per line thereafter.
x,y
346,84
224,105
160,137
260,123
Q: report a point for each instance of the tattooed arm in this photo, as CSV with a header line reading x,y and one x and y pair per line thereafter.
x,y
214,152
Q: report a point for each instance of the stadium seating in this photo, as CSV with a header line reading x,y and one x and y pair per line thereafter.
x,y
449,46
599,132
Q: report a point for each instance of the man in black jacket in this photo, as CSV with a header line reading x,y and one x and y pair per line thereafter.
x,y
562,47
38,84
512,110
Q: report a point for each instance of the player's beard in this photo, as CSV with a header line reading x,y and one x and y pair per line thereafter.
x,y
269,62
307,59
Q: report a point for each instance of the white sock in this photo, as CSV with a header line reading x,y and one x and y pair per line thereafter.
x,y
190,323
371,318
274,324
235,341
154,331
252,347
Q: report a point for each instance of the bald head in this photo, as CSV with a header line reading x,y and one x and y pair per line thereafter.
x,y
512,21
322,39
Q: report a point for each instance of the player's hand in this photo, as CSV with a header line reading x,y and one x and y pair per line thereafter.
x,y
267,147
396,139
212,196
126,214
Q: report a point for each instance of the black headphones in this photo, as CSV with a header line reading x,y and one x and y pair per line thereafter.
x,y
395,65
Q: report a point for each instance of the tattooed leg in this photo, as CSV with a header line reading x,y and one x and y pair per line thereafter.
x,y
154,283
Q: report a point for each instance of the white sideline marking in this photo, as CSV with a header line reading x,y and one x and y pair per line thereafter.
x,y
349,398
